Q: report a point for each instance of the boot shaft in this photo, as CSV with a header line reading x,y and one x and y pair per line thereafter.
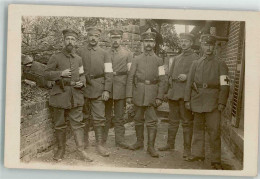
x,y
151,136
139,129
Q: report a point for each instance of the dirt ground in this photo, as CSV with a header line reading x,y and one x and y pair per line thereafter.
x,y
140,159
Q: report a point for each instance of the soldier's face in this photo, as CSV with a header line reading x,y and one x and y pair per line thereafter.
x,y
149,45
69,42
93,39
185,44
207,49
116,41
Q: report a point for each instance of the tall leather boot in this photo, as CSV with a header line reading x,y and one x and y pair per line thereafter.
x,y
170,141
86,135
119,137
61,140
139,138
187,139
151,140
106,130
79,139
99,134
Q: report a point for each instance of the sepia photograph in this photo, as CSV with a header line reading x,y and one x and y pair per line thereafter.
x,y
151,93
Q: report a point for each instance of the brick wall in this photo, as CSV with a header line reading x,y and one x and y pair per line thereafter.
x,y
36,130
231,54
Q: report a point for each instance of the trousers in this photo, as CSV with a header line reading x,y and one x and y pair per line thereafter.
x,y
145,114
209,121
95,107
74,116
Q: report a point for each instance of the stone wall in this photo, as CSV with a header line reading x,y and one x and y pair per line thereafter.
x,y
231,54
36,130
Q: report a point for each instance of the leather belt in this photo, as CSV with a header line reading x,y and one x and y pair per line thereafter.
x,y
96,76
147,82
119,73
205,85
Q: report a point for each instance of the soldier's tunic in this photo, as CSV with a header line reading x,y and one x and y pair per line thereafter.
x,y
145,83
66,100
98,70
121,62
177,111
210,77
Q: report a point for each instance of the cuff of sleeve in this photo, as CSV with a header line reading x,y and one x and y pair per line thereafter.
x,y
107,90
159,97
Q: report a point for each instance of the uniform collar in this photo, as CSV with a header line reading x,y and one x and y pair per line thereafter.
x,y
148,53
67,54
208,58
116,50
92,47
185,53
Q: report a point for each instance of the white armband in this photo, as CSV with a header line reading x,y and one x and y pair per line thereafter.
x,y
129,66
224,80
161,70
81,70
108,67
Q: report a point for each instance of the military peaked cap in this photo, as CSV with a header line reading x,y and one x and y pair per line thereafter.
x,y
208,39
70,32
94,30
148,35
116,32
187,36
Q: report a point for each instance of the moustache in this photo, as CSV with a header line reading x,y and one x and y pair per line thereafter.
x,y
69,46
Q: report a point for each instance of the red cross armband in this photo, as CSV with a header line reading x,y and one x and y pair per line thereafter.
x,y
224,80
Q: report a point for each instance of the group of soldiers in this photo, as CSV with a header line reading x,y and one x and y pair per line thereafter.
x,y
93,82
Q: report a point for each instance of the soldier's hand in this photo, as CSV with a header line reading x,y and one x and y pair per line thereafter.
x,y
66,73
182,77
129,100
187,105
158,102
78,84
221,107
165,97
105,95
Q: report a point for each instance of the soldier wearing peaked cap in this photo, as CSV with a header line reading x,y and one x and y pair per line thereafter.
x,y
66,96
121,62
175,88
98,71
206,95
145,87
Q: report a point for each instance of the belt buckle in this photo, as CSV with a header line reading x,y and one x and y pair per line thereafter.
x,y
114,73
147,82
204,85
91,76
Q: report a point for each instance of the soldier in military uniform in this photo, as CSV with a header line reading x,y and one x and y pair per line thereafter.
x,y
175,94
121,62
98,70
66,96
206,95
145,84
